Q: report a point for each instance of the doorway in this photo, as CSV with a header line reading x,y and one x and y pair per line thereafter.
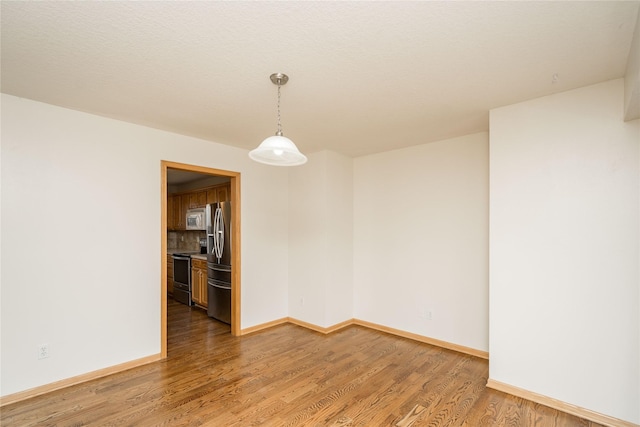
x,y
234,197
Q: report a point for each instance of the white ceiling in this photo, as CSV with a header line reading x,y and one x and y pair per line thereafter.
x,y
365,77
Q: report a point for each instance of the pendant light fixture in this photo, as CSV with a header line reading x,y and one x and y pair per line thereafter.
x,y
278,150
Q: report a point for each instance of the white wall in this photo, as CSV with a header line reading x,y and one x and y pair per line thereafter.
x,y
421,239
632,77
564,249
340,236
307,241
81,261
321,240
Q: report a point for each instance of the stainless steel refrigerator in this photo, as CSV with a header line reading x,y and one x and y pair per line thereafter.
x,y
218,217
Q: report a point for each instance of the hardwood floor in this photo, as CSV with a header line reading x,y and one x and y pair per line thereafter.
x,y
288,376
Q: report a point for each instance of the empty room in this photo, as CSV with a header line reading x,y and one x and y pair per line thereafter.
x,y
336,213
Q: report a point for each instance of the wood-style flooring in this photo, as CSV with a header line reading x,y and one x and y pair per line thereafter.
x,y
288,376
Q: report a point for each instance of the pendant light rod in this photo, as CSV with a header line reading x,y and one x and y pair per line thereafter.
x,y
279,132
279,79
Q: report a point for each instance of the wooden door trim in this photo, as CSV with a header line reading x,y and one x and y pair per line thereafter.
x,y
234,197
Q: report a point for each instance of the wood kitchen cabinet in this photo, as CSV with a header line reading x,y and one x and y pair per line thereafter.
x,y
199,293
177,206
198,199
223,193
169,274
219,193
173,211
170,213
179,203
185,199
176,211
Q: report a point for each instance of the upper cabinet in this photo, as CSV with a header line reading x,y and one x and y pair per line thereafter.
x,y
171,213
219,193
175,220
198,199
185,199
179,203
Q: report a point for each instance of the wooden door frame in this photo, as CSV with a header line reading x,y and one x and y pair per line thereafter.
x,y
234,197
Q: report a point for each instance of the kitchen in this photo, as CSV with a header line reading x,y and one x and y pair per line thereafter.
x,y
199,241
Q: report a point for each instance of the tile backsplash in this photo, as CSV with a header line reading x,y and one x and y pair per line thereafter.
x,y
188,241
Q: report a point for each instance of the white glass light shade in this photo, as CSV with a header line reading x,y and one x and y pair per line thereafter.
x,y
278,150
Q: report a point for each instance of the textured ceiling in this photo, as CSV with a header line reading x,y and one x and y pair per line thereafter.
x,y
365,77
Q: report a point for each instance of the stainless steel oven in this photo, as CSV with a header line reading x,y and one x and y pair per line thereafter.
x,y
182,278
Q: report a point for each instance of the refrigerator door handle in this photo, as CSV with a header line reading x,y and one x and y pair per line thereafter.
x,y
219,285
218,238
220,267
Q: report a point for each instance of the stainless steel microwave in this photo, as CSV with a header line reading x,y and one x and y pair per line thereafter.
x,y
196,219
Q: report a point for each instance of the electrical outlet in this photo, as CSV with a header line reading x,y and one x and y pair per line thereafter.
x,y
425,313
301,300
43,351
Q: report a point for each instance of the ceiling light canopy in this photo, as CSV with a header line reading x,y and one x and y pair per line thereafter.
x,y
278,150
